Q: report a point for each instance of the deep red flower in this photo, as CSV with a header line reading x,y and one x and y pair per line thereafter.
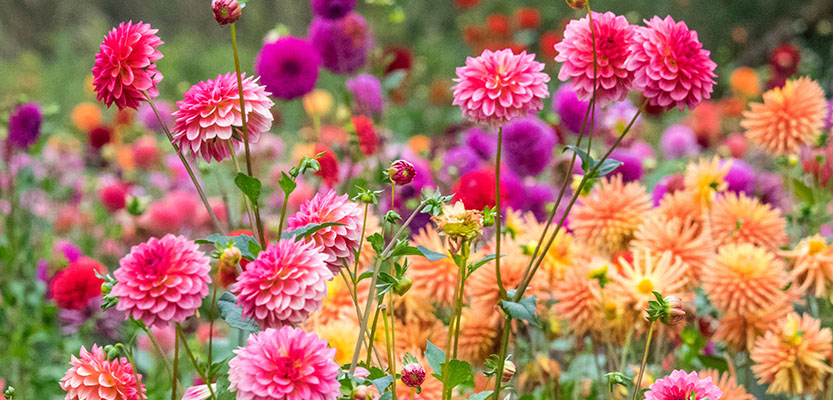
x,y
476,190
329,165
100,136
368,141
498,24
784,60
76,284
113,196
401,57
548,41
528,17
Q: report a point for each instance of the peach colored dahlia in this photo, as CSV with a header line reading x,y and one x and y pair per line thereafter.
x,y
736,218
705,179
93,377
682,237
647,273
432,279
812,265
727,384
744,279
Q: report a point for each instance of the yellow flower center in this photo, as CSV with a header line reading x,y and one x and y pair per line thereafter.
x,y
645,286
815,246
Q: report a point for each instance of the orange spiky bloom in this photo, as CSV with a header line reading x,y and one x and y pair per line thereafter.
x,y
737,218
740,331
408,335
338,304
683,237
579,299
649,273
340,335
479,335
812,265
608,216
433,279
705,179
790,117
680,204
727,384
795,358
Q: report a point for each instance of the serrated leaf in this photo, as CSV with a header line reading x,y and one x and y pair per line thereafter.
x,y
523,310
435,357
459,373
250,186
377,242
307,230
430,254
231,313
286,183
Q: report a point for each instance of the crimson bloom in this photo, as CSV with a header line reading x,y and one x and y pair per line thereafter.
x,y
75,285
125,65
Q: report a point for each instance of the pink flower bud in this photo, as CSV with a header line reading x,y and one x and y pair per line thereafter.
x,y
413,375
226,11
508,371
401,172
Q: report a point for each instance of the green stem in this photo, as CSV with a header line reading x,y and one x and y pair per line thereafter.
x,y
246,200
129,354
283,213
644,360
392,361
450,333
626,349
202,373
372,335
158,349
504,344
389,346
498,235
211,325
176,368
361,244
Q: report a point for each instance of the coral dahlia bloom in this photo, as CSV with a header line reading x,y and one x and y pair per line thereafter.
x,y
613,35
670,66
812,265
74,286
284,364
337,242
706,178
210,115
93,377
739,331
607,218
125,66
790,117
432,279
283,284
579,300
739,219
162,280
649,272
727,384
499,86
795,358
684,238
681,385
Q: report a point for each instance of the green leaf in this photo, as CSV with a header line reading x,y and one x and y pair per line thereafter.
x,y
587,161
459,373
216,239
481,395
481,262
307,230
523,310
404,249
714,362
386,396
435,357
231,313
378,242
393,79
430,254
608,165
248,245
364,275
382,383
287,184
250,186
802,192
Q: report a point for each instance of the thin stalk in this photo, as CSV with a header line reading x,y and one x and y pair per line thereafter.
x,y
249,212
460,293
158,350
392,360
626,349
372,334
176,368
211,325
504,343
644,360
129,354
389,350
202,374
450,334
283,213
497,216
359,315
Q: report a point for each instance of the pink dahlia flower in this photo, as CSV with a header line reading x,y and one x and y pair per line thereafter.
x,y
338,242
670,66
285,283
93,377
210,115
284,364
613,35
680,385
162,280
499,86
125,65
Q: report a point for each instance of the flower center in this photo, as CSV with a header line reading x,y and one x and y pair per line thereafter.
x,y
645,286
815,246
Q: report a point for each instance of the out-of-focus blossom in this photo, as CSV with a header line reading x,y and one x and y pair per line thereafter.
x,y
679,141
367,94
288,67
342,43
24,125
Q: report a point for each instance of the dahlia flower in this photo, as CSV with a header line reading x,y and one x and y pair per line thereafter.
x,y
737,218
631,168
366,135
329,164
332,9
727,383
125,66
210,115
226,11
670,66
648,273
739,331
199,392
24,125
458,161
401,172
790,117
162,280
340,335
812,265
284,364
93,377
483,143
74,286
682,385
367,94
681,204
683,237
794,358
679,141
706,178
740,178
613,35
528,145
570,109
342,43
338,242
579,300
288,67
499,86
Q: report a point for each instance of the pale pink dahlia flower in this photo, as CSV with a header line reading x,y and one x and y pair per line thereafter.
x,y
338,242
284,364
210,115
670,66
283,284
199,392
680,385
162,280
93,377
125,65
499,86
613,35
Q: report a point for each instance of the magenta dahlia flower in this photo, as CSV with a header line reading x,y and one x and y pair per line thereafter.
x,y
24,125
288,67
93,377
210,115
680,385
283,284
284,364
332,9
670,66
342,43
499,86
162,280
125,65
337,242
367,94
613,35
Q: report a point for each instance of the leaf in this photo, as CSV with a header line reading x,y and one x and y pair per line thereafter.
x,y
459,373
382,383
404,249
435,357
216,239
608,165
481,262
386,396
430,254
523,310
250,186
248,245
802,192
365,275
393,79
588,164
714,362
307,230
231,313
481,395
378,242
587,161
287,184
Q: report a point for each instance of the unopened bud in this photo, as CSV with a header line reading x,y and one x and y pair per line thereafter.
x,y
413,375
318,102
403,285
401,172
227,266
226,11
111,351
674,312
508,371
361,392
10,392
576,4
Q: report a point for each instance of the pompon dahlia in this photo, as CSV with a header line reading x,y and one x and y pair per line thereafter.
x,y
790,117
24,125
579,300
284,364
210,115
342,43
795,358
75,285
337,242
332,9
647,273
125,66
367,94
613,36
528,143
162,280
670,66
432,279
684,238
607,218
706,178
812,265
727,384
682,385
93,377
737,218
288,67
499,86
283,284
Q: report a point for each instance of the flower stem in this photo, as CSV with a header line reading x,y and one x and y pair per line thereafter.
x,y
175,375
450,333
390,351
211,325
392,360
497,216
283,214
504,344
246,200
205,378
129,354
361,244
644,360
158,349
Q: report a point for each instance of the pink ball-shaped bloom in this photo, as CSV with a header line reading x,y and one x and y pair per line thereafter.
x,y
337,242
285,283
613,35
162,280
125,65
679,385
93,377
210,115
670,66
284,364
499,86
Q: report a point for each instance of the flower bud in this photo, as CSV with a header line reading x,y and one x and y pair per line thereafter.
x,y
226,11
111,351
361,392
508,371
403,285
227,266
674,310
576,4
401,172
413,375
318,102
